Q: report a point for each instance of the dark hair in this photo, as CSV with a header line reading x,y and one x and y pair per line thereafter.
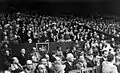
x,y
110,57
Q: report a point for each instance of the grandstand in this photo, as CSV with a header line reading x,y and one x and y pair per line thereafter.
x,y
45,41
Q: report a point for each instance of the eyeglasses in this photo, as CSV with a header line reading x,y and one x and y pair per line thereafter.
x,y
29,64
41,68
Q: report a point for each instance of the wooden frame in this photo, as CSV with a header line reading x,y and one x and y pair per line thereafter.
x,y
42,46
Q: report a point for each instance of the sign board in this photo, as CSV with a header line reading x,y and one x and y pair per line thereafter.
x,y
44,47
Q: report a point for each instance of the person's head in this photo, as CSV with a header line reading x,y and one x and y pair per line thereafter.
x,y
15,36
118,51
81,58
58,60
70,57
105,53
90,51
76,41
34,49
15,60
41,68
52,35
29,64
74,48
47,57
7,52
5,33
44,61
110,58
5,37
97,58
58,48
29,33
34,59
112,39
5,45
30,40
23,51
103,36
67,49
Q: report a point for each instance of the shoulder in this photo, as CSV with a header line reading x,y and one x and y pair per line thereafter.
x,y
113,67
104,62
66,63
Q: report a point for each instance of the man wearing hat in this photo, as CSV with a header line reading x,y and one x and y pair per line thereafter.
x,y
69,63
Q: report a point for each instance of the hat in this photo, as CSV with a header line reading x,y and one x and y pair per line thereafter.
x,y
70,55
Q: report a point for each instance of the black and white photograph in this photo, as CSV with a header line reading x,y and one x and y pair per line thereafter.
x,y
59,36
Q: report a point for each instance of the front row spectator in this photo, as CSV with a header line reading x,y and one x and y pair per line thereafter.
x,y
69,63
23,57
107,66
81,62
16,67
58,67
41,69
29,67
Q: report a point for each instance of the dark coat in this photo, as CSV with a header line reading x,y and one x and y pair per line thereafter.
x,y
23,59
68,67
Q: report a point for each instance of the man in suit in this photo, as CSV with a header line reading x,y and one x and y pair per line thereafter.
x,y
29,67
23,57
69,63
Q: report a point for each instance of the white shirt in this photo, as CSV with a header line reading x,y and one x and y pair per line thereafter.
x,y
108,67
70,63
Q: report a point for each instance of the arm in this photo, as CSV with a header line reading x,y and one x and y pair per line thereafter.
x,y
114,69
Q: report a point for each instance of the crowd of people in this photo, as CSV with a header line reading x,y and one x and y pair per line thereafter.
x,y
98,49
33,28
102,55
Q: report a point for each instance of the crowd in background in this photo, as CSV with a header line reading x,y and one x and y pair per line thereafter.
x,y
98,50
33,28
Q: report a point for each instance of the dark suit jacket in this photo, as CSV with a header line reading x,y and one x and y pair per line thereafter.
x,y
68,67
23,59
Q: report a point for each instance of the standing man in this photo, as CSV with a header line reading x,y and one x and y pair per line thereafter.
x,y
23,57
69,62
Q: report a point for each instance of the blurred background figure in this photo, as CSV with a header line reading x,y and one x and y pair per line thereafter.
x,y
36,53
